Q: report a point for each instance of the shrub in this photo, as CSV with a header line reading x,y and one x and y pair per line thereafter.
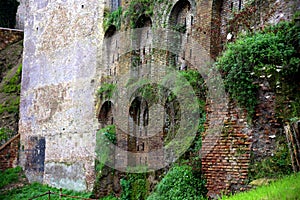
x,y
270,53
180,183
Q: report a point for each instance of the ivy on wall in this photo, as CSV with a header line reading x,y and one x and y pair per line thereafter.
x,y
134,10
272,54
106,90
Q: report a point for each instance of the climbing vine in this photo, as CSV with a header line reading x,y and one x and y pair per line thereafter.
x,y
272,53
134,10
106,90
112,18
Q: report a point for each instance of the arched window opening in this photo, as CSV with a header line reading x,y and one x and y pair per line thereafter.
x,y
106,114
110,52
216,24
172,117
181,21
142,41
138,124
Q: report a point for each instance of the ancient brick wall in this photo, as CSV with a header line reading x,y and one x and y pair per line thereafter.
x,y
9,36
63,68
9,153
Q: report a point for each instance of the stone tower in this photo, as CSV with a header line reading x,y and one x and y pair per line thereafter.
x,y
58,121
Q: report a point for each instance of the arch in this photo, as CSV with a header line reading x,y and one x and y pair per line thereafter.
x,y
180,20
179,12
172,118
109,55
105,116
111,30
143,21
216,24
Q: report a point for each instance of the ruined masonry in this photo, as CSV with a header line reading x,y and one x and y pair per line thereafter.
x,y
62,70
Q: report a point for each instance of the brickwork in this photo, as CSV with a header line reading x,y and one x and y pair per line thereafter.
x,y
63,68
9,36
9,153
226,165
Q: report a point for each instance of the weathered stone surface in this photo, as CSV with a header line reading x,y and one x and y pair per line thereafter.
x,y
57,102
62,69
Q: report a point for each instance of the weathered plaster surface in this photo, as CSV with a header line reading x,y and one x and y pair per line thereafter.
x,y
61,45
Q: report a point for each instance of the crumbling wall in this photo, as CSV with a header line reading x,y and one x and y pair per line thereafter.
x,y
9,153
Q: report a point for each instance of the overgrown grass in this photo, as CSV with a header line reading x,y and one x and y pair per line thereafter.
x,y
36,189
286,188
9,176
13,85
13,175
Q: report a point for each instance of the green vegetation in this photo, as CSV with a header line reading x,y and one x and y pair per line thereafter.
x,y
110,197
134,10
180,182
9,176
135,186
104,138
109,132
13,175
275,166
270,54
36,189
106,90
112,18
286,188
13,85
10,106
5,133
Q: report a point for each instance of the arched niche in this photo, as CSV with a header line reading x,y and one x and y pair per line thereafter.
x,y
181,21
110,49
143,21
105,116
181,15
138,117
172,118
216,24
137,127
142,41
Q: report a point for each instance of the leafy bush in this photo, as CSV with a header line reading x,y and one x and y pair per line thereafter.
x,y
178,184
135,186
110,197
10,106
270,53
112,18
5,134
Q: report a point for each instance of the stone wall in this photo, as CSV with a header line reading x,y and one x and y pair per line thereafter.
x,y
63,68
9,153
58,118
